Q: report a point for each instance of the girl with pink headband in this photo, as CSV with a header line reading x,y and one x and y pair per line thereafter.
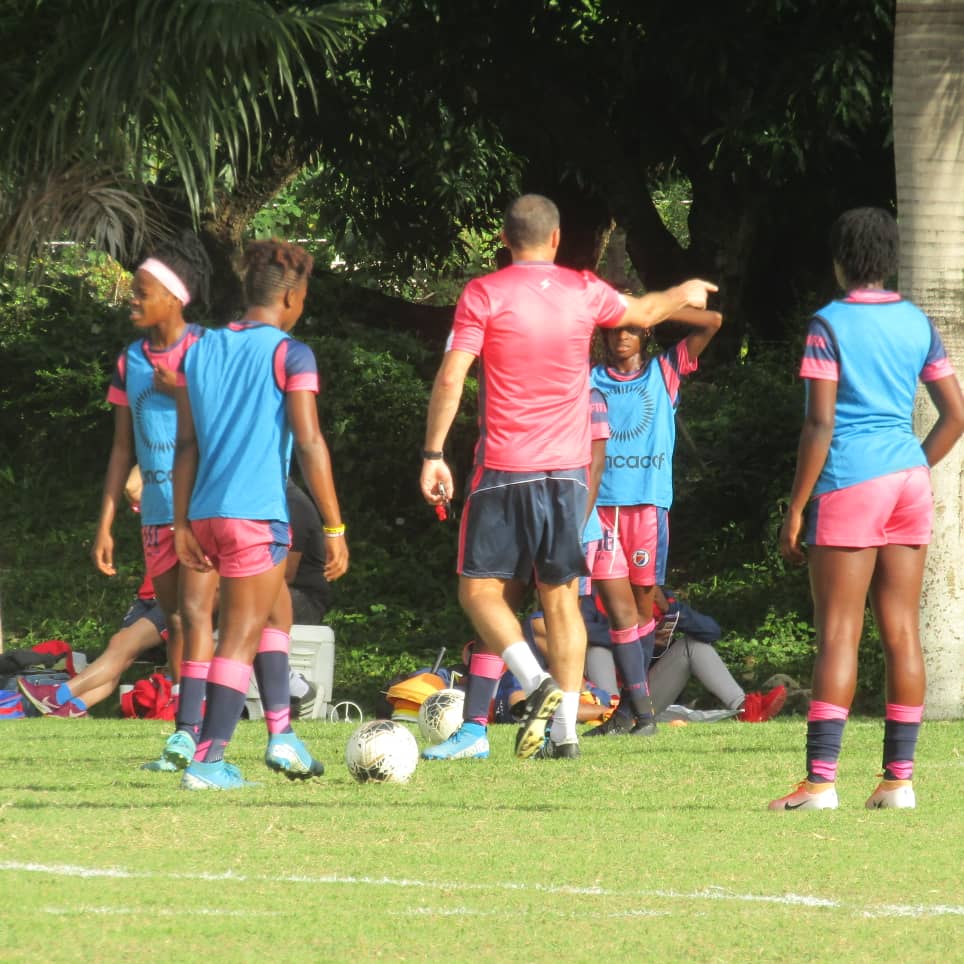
x,y
145,421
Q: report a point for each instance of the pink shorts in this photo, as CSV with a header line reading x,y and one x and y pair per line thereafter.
x,y
591,550
895,509
635,544
159,552
242,547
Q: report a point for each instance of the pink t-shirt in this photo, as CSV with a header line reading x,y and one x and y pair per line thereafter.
x,y
530,325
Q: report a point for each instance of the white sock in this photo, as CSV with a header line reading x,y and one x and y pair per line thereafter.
x,y
563,728
524,666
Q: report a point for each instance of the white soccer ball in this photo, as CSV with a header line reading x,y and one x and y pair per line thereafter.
x,y
441,715
381,751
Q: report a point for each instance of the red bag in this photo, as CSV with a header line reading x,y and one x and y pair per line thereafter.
x,y
150,699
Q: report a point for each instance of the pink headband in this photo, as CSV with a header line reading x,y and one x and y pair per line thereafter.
x,y
167,278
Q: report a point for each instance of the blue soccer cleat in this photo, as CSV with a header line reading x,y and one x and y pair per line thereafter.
x,y
161,765
179,749
288,755
461,745
213,776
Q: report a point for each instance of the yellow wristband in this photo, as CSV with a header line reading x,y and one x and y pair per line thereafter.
x,y
332,532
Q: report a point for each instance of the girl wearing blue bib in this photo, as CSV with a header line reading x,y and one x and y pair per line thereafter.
x,y
635,495
245,396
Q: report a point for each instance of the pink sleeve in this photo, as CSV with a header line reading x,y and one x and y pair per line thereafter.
x,y
820,353
598,415
937,365
295,369
471,315
675,365
606,304
117,393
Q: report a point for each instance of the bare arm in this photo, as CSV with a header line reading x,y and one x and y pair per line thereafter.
x,y
442,408
812,451
704,325
118,468
596,465
315,461
946,395
656,306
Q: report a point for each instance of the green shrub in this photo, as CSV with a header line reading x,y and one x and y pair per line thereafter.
x,y
397,606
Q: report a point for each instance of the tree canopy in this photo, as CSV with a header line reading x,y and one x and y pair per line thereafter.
x,y
412,121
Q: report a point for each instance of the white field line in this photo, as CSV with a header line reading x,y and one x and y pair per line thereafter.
x,y
705,894
82,910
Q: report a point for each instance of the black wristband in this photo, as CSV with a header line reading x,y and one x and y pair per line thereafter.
x,y
431,456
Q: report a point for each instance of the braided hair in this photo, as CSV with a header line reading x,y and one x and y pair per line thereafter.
x,y
272,267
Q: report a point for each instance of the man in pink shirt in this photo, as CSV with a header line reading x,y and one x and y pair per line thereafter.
x,y
530,325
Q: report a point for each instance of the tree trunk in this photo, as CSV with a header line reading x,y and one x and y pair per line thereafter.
x,y
928,139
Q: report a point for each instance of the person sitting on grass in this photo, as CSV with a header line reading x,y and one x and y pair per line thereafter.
x,y
142,629
684,649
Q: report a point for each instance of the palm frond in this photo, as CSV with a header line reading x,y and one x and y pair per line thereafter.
x,y
103,207
199,78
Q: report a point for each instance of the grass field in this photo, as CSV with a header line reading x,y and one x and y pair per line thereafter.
x,y
643,849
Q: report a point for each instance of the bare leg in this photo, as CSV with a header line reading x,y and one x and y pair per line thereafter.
x,y
198,593
246,603
895,598
100,679
566,634
617,597
166,590
644,597
491,606
839,581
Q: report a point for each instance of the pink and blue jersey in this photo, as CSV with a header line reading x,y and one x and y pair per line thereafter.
x,y
530,325
642,429
876,346
237,378
154,417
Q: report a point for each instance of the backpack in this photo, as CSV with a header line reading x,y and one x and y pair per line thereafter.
x,y
11,705
149,699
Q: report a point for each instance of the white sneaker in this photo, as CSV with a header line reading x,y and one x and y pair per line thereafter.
x,y
892,794
808,796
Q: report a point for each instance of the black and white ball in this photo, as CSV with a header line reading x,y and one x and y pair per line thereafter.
x,y
381,751
441,715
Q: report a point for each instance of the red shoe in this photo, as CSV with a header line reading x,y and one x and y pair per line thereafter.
x,y
751,709
771,703
760,707
43,698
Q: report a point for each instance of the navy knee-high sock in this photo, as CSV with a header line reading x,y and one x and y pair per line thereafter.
x,y
227,689
271,669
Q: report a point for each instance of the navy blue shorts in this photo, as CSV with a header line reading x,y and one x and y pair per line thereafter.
x,y
517,523
148,609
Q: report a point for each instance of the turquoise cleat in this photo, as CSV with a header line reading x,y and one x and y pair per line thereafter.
x,y
179,749
288,755
213,776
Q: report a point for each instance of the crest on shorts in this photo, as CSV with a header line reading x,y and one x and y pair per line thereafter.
x,y
641,558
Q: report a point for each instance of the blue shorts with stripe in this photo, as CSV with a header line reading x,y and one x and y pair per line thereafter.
x,y
517,523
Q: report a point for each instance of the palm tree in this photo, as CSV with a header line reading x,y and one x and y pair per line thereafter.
x,y
929,151
118,118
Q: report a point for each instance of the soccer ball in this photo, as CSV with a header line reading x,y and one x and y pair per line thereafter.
x,y
381,751
440,715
